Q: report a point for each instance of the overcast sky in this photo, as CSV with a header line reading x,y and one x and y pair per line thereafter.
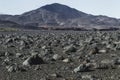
x,y
97,7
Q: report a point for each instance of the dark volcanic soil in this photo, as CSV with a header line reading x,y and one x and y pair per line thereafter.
x,y
60,55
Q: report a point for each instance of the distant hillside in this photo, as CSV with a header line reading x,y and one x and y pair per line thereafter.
x,y
60,16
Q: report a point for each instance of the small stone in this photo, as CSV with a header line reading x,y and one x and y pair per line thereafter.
x,y
93,51
44,47
102,66
9,40
2,53
53,75
102,51
116,61
7,54
26,62
70,48
113,66
66,60
47,51
113,55
56,57
86,76
37,67
81,68
90,77
86,61
10,68
106,61
18,55
7,59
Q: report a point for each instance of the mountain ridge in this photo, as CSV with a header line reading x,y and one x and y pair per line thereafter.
x,y
61,16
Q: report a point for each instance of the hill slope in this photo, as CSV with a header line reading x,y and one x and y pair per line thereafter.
x,y
61,16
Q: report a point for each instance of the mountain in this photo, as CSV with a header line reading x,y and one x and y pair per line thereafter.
x,y
61,16
9,24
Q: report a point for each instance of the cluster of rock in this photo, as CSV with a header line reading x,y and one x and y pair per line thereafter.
x,y
66,55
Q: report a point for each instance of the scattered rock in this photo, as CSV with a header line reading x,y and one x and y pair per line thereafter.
x,y
106,61
7,54
2,53
57,57
93,51
70,48
9,40
116,61
102,51
12,68
33,60
67,60
55,47
102,66
90,77
37,67
82,68
113,55
7,60
18,55
55,75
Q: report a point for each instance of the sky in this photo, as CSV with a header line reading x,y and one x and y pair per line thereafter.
x,y
96,7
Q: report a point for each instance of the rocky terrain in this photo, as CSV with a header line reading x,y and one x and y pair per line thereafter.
x,y
60,55
59,16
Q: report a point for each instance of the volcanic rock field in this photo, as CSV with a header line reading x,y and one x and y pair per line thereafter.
x,y
60,55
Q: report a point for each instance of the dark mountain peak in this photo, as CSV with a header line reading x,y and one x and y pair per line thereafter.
x,y
63,10
54,6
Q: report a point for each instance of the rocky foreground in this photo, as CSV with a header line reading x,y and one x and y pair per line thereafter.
x,y
60,55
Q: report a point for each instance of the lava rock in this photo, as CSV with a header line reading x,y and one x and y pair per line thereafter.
x,y
93,51
102,66
102,51
81,68
2,53
57,57
116,61
12,68
33,60
18,55
70,48
67,60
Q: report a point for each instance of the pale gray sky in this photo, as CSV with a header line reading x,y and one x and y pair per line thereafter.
x,y
96,7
